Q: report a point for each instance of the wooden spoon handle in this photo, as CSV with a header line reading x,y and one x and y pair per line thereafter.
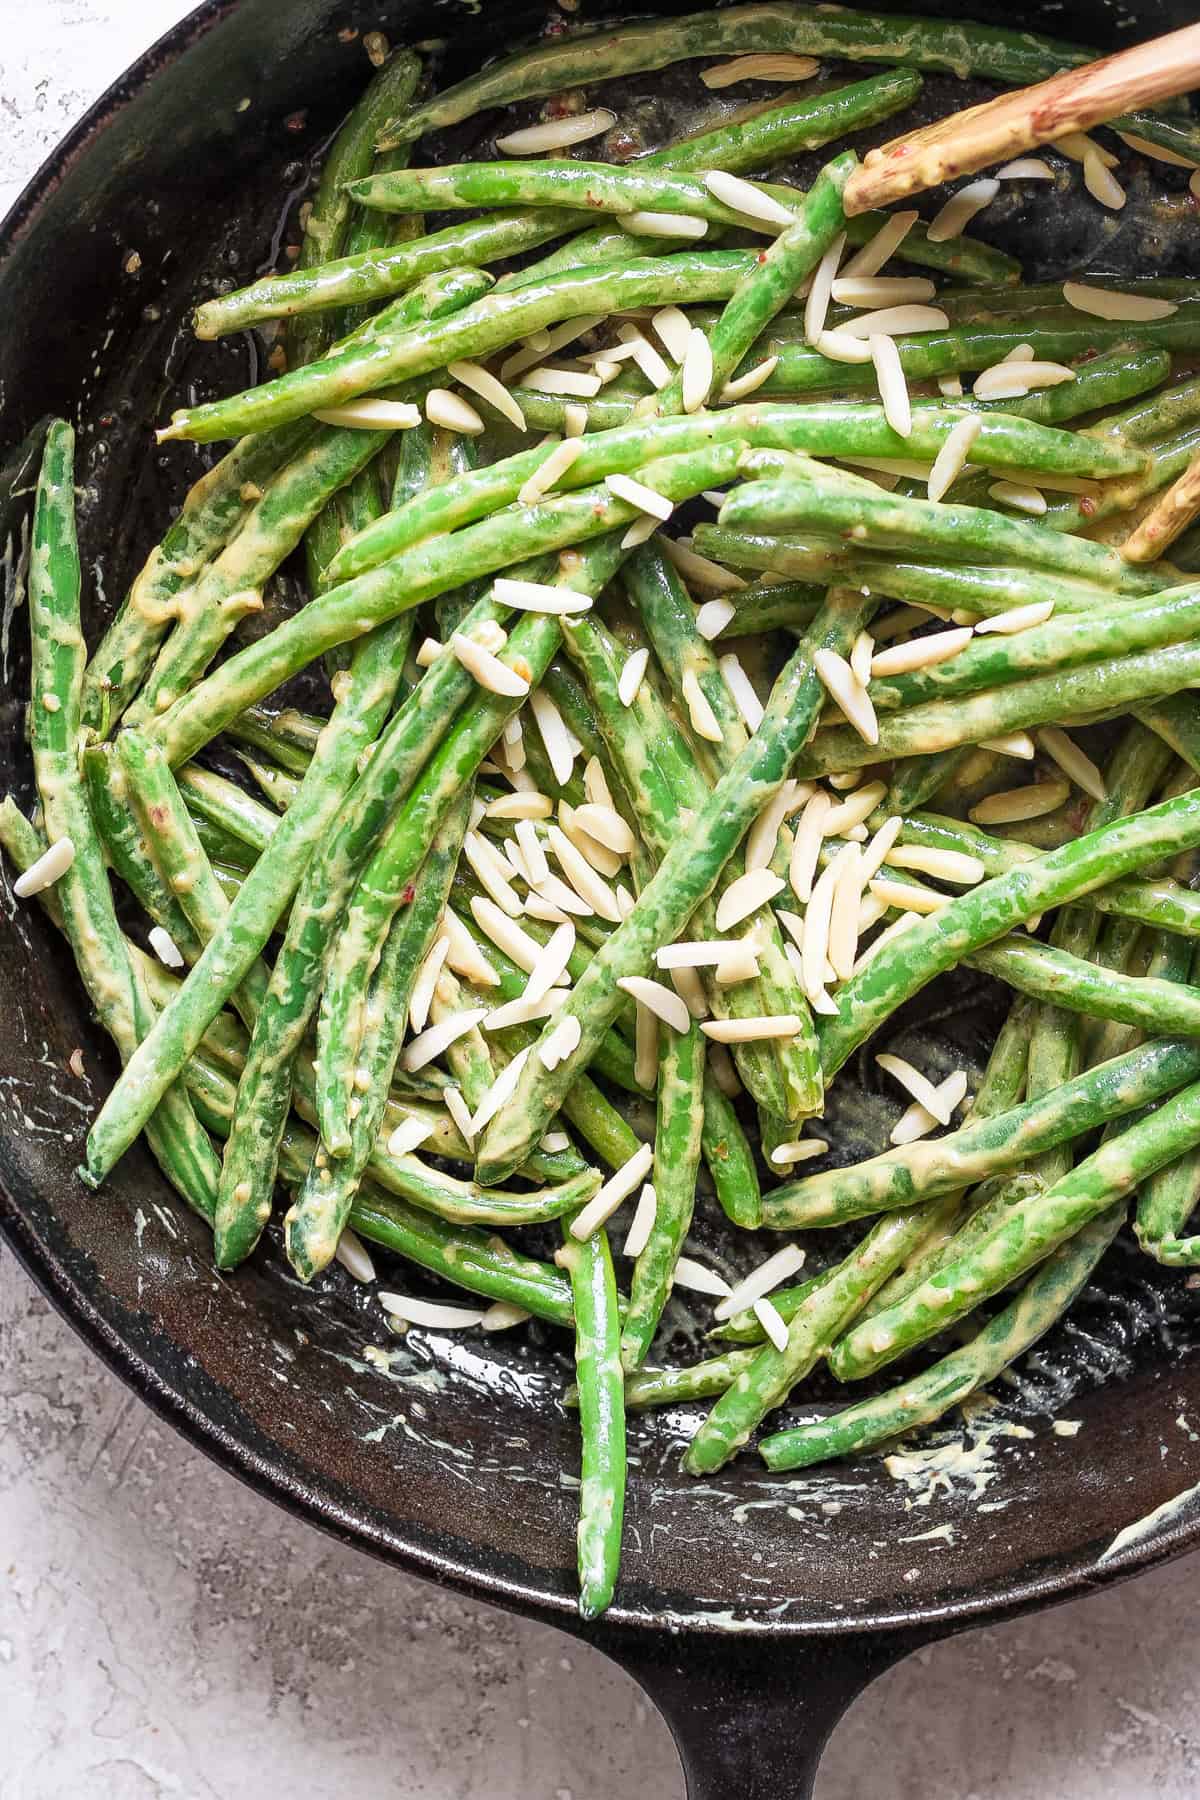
x,y
1073,101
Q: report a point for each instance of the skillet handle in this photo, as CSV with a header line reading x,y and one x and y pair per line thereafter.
x,y
751,1716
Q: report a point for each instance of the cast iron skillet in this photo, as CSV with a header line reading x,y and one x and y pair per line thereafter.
x,y
752,1611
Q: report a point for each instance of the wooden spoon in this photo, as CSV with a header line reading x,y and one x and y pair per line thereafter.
x,y
999,129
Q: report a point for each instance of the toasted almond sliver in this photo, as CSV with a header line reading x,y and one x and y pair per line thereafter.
x,y
556,134
816,305
554,735
843,923
891,321
838,679
1104,303
799,1150
747,198
1074,763
703,719
920,653
893,389
740,686
760,65
540,344
960,209
908,896
954,866
481,381
660,224
662,1001
1017,618
674,329
763,835
487,669
1024,499
431,1315
748,1031
636,493
697,372
575,382
951,459
769,1274
617,1188
562,1042
606,825
426,981
431,1043
500,1092
1012,380
645,1048
806,845
882,290
693,1275
928,1093
551,964
368,414
630,678
1026,168
841,346
539,597
448,409
883,246
753,379
643,1222
521,806
857,807
1100,181
1145,148
746,895
550,472
713,617
48,868
409,1135
1013,805
1013,743
582,877
503,930
698,569
522,1011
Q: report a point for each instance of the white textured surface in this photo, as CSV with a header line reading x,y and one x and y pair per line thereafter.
x,y
165,1632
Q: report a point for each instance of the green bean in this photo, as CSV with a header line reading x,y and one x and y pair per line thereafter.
x,y
827,429
376,272
1168,461
288,738
1030,1232
600,1381
911,1174
675,1387
928,1395
979,588
1158,902
958,349
179,855
885,521
351,155
476,331
265,894
460,1255
128,849
606,53
658,769
212,511
834,1299
314,1223
686,876
225,804
1096,688
426,571
113,985
676,1160
382,888
279,787
586,186
1061,643
978,918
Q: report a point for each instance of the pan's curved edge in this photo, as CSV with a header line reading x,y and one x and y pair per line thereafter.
x,y
272,1475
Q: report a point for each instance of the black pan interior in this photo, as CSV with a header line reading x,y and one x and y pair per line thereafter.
x,y
456,1458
